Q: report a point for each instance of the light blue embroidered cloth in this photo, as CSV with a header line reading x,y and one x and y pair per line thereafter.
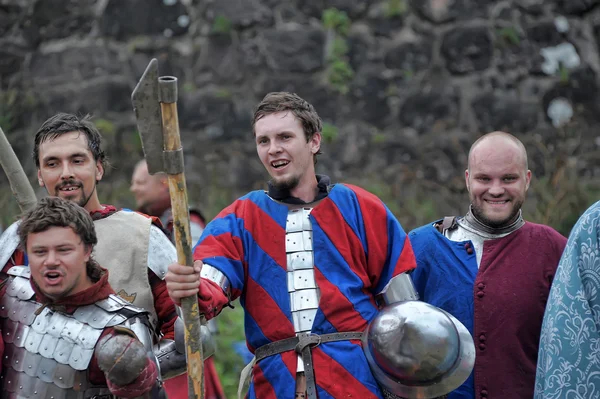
x,y
569,356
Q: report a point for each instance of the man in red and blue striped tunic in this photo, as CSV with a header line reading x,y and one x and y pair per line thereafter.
x,y
308,260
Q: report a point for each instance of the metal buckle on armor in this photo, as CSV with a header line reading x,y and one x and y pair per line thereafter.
x,y
304,340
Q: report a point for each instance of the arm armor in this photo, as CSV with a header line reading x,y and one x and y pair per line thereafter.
x,y
400,288
171,354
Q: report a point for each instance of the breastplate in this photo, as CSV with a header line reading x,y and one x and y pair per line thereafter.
x,y
47,352
302,287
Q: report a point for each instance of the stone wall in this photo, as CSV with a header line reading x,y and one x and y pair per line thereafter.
x,y
403,86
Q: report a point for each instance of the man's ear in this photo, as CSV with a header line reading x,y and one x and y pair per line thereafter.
x,y
315,142
467,179
99,170
40,180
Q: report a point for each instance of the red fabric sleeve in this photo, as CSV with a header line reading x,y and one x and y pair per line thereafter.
x,y
138,387
164,306
211,298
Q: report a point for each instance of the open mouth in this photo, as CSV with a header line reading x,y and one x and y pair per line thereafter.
x,y
68,188
52,276
279,164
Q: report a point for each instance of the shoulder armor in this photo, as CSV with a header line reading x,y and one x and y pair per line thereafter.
x,y
9,242
18,284
109,312
161,252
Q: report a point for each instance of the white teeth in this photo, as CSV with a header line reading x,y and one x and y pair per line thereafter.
x,y
279,163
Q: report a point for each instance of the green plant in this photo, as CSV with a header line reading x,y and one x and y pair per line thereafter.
x,y
329,132
221,24
336,20
223,92
189,87
339,72
395,8
509,35
106,127
563,74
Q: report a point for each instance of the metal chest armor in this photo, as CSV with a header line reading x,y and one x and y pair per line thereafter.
x,y
47,353
301,283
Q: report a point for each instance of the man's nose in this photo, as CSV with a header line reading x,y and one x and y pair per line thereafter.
x,y
496,188
67,172
51,258
274,147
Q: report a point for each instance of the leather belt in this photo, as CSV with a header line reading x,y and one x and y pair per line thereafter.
x,y
302,344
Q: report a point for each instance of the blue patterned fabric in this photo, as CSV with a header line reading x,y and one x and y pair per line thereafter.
x,y
569,355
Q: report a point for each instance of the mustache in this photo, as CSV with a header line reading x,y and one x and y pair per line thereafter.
x,y
70,182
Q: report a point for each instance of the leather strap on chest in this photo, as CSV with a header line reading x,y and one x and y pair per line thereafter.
x,y
448,223
303,344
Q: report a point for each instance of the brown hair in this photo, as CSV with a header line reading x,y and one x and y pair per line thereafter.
x,y
62,123
282,101
57,212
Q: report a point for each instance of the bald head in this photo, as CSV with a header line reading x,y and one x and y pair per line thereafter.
x,y
500,141
151,191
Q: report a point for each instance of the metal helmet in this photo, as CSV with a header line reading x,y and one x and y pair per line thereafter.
x,y
416,350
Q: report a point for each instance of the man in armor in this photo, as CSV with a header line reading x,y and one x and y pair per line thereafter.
x,y
67,334
70,160
152,197
492,270
313,265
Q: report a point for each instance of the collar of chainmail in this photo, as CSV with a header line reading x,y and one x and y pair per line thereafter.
x,y
471,221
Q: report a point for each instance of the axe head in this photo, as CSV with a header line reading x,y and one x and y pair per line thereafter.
x,y
146,105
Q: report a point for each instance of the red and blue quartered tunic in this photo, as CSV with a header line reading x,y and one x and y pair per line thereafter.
x,y
358,247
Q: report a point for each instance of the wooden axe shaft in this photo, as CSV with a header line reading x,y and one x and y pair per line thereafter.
x,y
19,183
181,229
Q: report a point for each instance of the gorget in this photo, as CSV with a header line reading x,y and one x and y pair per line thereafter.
x,y
469,228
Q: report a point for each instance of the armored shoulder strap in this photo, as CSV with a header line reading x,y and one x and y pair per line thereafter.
x,y
447,223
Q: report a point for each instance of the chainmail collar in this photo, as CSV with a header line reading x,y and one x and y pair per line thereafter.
x,y
470,222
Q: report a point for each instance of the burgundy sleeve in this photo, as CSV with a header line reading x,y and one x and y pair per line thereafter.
x,y
164,306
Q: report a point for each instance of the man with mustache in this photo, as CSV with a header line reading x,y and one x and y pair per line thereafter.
x,y
318,267
492,270
66,332
70,160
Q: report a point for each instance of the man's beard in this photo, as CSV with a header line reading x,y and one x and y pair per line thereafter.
x,y
286,185
83,200
496,224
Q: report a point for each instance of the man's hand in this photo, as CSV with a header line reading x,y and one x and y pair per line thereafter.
x,y
183,281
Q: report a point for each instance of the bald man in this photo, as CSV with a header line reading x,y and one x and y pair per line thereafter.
x,y
492,270
152,198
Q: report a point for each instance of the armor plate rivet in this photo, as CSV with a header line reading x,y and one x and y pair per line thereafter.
x,y
60,378
94,319
35,392
43,371
20,386
16,362
29,366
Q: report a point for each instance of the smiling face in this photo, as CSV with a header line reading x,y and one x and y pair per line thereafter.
x,y
283,150
497,180
68,169
149,191
57,260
